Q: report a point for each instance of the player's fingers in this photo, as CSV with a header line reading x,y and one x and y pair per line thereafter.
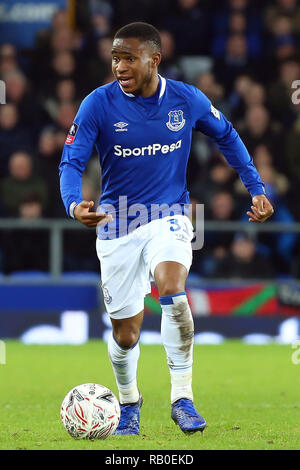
x,y
253,217
255,210
86,204
259,204
92,216
94,221
103,214
258,214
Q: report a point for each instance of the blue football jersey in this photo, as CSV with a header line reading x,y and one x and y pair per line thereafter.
x,y
144,145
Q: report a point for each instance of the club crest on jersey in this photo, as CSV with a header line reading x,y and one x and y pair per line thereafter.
x,y
176,120
72,134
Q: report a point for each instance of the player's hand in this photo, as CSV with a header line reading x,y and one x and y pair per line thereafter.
x,y
262,209
90,219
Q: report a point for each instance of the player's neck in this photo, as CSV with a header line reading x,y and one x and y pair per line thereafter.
x,y
151,88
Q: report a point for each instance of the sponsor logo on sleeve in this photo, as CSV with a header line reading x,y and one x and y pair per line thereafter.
x,y
72,134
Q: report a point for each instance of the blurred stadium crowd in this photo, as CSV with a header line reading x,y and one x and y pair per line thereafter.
x,y
244,55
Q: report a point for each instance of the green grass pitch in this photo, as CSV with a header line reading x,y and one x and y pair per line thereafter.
x,y
249,395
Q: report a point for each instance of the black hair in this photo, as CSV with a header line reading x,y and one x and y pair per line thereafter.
x,y
143,31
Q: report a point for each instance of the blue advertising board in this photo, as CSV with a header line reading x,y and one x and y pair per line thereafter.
x,y
21,20
68,313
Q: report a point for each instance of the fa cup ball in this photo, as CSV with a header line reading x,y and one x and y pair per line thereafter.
x,y
90,411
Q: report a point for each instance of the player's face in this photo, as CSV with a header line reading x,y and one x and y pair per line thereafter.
x,y
134,64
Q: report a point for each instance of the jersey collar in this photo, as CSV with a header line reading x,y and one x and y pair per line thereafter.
x,y
162,81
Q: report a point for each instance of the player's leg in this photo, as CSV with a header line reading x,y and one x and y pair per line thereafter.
x,y
177,331
124,351
177,326
124,289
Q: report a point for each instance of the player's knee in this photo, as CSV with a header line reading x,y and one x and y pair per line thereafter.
x,y
127,338
171,287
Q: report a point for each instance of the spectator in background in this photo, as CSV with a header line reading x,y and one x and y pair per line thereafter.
x,y
189,25
216,244
281,32
97,24
65,93
8,59
43,38
18,92
263,160
289,9
280,92
207,83
58,39
32,245
243,261
255,95
235,61
279,246
237,24
236,99
13,136
99,67
20,182
169,67
62,67
47,161
259,129
220,178
247,8
65,116
292,151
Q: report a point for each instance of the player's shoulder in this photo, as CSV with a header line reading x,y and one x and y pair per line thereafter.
x,y
183,88
189,92
100,94
109,89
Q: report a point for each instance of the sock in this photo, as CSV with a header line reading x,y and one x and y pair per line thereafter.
x,y
124,362
177,331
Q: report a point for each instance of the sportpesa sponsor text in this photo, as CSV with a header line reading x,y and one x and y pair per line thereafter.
x,y
151,149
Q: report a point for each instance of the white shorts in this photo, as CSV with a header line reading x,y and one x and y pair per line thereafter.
x,y
128,263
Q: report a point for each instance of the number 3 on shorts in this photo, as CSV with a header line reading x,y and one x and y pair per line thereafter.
x,y
175,226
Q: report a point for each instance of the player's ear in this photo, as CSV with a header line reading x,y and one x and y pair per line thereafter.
x,y
156,59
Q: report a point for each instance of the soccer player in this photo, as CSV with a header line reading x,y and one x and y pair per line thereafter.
x,y
141,125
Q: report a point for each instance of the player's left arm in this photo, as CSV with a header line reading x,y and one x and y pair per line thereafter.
x,y
213,123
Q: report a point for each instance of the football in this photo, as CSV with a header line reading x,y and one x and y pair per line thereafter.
x,y
90,411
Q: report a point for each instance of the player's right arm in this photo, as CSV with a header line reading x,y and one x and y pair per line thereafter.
x,y
76,153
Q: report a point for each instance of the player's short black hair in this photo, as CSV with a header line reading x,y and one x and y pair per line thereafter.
x,y
145,32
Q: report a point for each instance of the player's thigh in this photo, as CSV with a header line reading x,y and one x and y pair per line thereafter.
x,y
170,241
170,277
123,279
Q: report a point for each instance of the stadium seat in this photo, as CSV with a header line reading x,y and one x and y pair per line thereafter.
x,y
194,66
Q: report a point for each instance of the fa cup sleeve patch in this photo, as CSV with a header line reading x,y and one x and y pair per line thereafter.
x,y
215,112
72,134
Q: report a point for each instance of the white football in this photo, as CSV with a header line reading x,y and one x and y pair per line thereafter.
x,y
90,411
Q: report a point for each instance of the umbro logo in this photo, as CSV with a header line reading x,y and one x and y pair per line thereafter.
x,y
121,126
